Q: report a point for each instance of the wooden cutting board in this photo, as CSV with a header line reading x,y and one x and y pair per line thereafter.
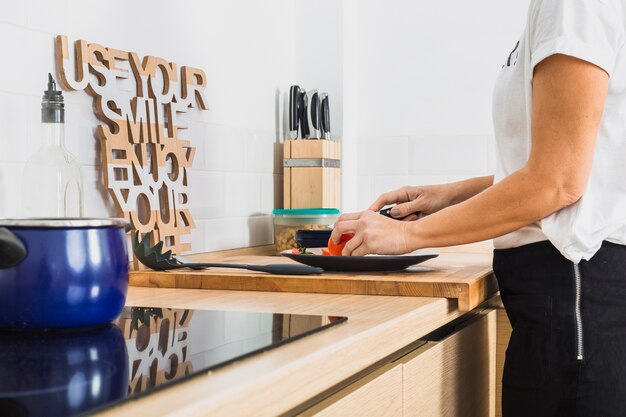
x,y
461,272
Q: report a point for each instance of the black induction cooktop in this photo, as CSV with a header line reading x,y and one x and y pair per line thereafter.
x,y
68,373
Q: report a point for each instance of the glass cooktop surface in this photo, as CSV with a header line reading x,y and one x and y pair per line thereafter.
x,y
68,373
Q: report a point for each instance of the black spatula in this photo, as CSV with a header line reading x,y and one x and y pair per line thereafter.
x,y
154,259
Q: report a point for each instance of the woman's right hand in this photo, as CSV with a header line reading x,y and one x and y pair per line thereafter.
x,y
415,202
412,203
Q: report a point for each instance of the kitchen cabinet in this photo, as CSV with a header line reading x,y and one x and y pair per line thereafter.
x,y
449,377
454,376
376,395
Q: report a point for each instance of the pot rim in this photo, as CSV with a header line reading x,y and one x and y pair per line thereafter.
x,y
65,222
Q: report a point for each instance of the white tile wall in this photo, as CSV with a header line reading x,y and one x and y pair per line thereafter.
x,y
249,61
242,197
98,202
13,127
225,233
208,191
258,226
271,186
9,171
388,163
383,155
425,76
259,153
447,155
414,78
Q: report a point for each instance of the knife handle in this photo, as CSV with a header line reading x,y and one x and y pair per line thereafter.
x,y
303,116
325,116
387,213
294,95
314,115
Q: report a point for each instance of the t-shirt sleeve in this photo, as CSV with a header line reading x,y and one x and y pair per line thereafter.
x,y
591,30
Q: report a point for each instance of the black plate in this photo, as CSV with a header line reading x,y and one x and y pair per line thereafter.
x,y
369,263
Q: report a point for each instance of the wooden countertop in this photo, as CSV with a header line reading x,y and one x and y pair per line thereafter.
x,y
460,272
277,381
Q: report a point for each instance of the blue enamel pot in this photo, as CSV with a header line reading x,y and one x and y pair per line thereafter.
x,y
62,273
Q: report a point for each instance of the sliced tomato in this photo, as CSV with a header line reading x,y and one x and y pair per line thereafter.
x,y
336,248
296,251
325,252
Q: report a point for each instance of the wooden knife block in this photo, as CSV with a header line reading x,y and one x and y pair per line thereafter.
x,y
312,174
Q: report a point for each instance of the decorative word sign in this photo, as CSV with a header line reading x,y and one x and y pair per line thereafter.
x,y
145,159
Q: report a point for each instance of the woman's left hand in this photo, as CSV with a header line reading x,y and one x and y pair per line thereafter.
x,y
373,233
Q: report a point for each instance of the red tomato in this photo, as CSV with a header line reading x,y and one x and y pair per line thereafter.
x,y
325,252
335,249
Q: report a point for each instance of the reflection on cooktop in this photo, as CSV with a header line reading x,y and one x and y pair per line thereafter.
x,y
52,373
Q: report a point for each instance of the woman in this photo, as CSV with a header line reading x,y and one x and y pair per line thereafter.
x,y
556,208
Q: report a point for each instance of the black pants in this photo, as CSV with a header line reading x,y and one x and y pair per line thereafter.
x,y
567,353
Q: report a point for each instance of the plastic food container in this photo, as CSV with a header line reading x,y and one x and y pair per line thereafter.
x,y
288,221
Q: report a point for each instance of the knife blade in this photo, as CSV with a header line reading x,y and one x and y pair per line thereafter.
x,y
294,97
325,116
314,114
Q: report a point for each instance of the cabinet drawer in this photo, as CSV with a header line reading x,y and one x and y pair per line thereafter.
x,y
454,376
376,395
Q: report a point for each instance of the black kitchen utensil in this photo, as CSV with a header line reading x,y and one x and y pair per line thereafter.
x,y
12,250
294,100
369,263
325,116
154,259
314,114
303,115
387,213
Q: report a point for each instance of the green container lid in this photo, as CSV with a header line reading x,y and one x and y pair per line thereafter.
x,y
306,212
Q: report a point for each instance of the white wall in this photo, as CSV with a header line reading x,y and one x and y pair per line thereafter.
x,y
410,85
425,76
247,53
319,53
326,59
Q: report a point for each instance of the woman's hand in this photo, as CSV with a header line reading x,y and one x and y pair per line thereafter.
x,y
416,202
373,233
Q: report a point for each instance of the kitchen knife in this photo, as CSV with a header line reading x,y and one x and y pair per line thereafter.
x,y
325,116
314,115
387,213
294,98
302,111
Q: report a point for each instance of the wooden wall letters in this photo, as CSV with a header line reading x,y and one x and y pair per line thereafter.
x,y
145,159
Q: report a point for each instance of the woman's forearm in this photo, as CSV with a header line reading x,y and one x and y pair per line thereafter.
x,y
469,188
518,200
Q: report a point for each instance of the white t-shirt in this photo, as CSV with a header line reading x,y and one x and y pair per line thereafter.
x,y
591,30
